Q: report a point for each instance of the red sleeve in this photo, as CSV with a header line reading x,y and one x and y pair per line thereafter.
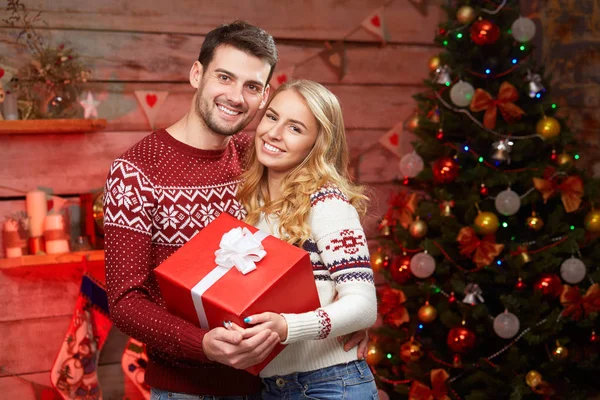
x,y
134,297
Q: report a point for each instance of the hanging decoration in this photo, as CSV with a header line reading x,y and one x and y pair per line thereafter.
x,y
411,351
411,165
506,325
445,170
578,306
465,15
560,352
422,265
375,25
573,270
549,285
501,150
446,208
523,29
334,56
534,84
507,95
507,202
134,362
151,102
400,269
434,63
534,222
592,221
402,208
427,313
548,127
461,93
418,228
461,339
570,188
391,139
443,75
484,32
374,354
564,160
473,294
281,77
438,390
483,251
486,223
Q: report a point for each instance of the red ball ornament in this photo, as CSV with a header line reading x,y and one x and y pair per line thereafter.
x,y
549,284
400,269
483,190
460,339
445,170
520,284
484,32
452,298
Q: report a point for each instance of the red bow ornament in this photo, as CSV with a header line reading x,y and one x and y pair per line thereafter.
x,y
507,95
391,306
438,390
483,250
570,188
576,305
402,208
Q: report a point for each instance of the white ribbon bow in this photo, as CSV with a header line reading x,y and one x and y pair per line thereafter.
x,y
240,248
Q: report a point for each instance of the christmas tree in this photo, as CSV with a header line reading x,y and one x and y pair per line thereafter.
x,y
490,249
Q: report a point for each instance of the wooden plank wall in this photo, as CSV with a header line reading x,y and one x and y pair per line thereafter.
x,y
135,44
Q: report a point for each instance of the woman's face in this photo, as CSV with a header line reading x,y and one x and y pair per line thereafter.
x,y
286,134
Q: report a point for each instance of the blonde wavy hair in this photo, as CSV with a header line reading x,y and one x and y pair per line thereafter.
x,y
327,163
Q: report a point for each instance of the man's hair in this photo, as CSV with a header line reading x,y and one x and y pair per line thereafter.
x,y
243,36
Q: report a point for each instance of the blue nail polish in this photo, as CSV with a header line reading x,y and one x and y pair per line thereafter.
x,y
247,319
225,324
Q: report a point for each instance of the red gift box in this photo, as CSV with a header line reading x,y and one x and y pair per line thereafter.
x,y
199,291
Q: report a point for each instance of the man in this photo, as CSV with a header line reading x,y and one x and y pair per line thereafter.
x,y
166,188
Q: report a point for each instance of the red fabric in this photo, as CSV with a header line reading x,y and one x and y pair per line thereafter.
x,y
158,195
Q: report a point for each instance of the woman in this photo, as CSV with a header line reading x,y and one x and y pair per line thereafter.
x,y
297,188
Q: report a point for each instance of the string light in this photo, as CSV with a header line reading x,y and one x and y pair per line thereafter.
x,y
487,71
445,43
576,156
466,148
480,159
553,105
522,48
514,60
459,36
505,224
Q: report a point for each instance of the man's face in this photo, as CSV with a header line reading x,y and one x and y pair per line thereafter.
x,y
231,90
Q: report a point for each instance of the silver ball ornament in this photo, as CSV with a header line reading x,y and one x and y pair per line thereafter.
x,y
573,270
411,165
506,325
508,202
523,29
461,93
422,265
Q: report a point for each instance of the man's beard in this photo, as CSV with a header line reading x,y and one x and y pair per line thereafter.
x,y
203,111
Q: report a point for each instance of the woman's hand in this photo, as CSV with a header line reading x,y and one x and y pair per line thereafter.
x,y
268,320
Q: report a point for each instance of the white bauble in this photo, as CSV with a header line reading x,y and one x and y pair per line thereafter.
x,y
506,325
523,29
573,270
508,202
411,165
422,265
462,93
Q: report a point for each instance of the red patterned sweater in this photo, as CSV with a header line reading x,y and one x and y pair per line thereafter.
x,y
158,195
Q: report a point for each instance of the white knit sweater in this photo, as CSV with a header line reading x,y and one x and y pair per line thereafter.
x,y
340,258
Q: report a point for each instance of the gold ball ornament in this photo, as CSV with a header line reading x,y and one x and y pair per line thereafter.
x,y
560,352
548,127
418,229
592,221
411,351
374,354
427,313
465,15
486,223
564,160
377,260
534,222
533,378
434,63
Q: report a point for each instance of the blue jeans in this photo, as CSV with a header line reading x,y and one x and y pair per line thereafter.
x,y
158,394
352,381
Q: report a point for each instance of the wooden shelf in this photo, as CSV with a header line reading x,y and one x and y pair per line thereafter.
x,y
49,259
48,126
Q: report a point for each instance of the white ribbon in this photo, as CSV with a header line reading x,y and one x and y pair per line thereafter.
x,y
238,248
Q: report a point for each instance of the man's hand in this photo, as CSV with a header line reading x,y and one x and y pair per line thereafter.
x,y
267,321
229,347
360,338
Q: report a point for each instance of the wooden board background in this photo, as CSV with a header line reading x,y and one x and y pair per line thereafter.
x,y
150,45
